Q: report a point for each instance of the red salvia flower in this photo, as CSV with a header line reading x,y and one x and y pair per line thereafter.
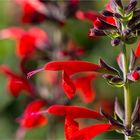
x,y
86,90
69,68
27,41
33,11
27,120
16,83
137,52
72,131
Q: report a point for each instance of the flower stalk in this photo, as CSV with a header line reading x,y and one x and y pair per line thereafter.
x,y
127,94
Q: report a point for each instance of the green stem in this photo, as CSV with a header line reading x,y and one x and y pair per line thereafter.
x,y
127,95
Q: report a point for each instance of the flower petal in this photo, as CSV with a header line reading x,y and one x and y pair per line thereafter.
x,y
16,83
30,119
88,15
73,111
137,52
86,91
91,131
71,127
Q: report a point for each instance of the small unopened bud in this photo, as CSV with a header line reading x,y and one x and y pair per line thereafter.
x,y
131,6
117,15
95,32
128,132
106,13
119,3
115,41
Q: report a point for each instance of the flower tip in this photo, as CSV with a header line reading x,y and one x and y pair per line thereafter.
x,y
30,74
39,113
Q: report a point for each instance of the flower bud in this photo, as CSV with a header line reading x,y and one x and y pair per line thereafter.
x,y
131,6
106,13
116,41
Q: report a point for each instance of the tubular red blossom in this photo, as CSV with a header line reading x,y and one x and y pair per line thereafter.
x,y
69,68
137,52
71,127
30,121
73,112
33,11
16,83
90,132
86,91
27,41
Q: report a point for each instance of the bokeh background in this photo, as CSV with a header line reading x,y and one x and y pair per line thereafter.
x,y
77,31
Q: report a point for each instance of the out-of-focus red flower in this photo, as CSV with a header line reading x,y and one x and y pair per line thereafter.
x,y
33,11
69,68
16,83
84,86
137,52
27,41
29,119
108,7
72,131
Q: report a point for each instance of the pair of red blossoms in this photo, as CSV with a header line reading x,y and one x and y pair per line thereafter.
x,y
33,117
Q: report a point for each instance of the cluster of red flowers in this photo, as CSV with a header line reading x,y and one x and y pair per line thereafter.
x,y
35,44
31,45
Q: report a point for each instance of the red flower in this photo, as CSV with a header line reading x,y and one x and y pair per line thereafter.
x,y
72,131
16,83
33,11
30,121
86,90
27,42
137,52
69,68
